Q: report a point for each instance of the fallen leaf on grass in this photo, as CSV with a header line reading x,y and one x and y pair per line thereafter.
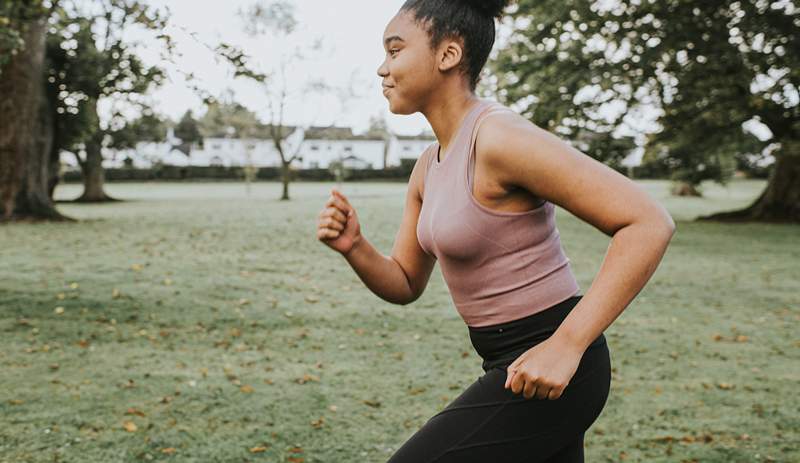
x,y
129,426
133,411
306,378
258,449
318,423
247,389
168,450
372,403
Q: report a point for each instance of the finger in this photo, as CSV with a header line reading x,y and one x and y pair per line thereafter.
x,y
517,383
327,233
341,196
337,202
514,366
334,213
328,222
542,392
554,394
530,389
509,377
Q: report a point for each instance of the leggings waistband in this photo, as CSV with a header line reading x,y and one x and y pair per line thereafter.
x,y
500,344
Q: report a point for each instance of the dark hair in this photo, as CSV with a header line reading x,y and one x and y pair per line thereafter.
x,y
471,20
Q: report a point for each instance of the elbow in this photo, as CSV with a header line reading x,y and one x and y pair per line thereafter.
x,y
411,298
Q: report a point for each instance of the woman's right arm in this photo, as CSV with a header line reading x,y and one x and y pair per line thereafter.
x,y
399,278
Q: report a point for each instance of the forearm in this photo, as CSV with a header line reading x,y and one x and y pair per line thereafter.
x,y
380,273
632,257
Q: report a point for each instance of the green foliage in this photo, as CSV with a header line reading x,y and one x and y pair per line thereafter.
x,y
188,129
89,59
14,16
225,119
694,60
147,128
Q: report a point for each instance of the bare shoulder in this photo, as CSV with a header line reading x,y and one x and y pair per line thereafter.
x,y
522,154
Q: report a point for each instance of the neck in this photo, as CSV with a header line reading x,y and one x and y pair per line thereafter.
x,y
446,112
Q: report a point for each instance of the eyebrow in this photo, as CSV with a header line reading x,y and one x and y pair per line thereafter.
x,y
388,40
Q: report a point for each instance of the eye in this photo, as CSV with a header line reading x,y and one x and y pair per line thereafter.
x,y
393,50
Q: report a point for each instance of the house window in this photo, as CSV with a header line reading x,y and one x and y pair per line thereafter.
x,y
314,148
406,148
314,164
348,148
216,146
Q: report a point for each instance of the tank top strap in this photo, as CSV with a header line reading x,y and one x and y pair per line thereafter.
x,y
426,158
491,108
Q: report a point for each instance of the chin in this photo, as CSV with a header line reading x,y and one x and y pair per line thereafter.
x,y
398,109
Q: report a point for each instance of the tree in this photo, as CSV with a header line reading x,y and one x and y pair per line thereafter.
x,y
26,138
277,19
707,67
188,131
104,65
149,127
227,118
379,128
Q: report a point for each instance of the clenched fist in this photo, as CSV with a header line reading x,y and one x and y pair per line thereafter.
x,y
338,223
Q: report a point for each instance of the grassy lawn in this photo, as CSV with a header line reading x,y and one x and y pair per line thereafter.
x,y
195,323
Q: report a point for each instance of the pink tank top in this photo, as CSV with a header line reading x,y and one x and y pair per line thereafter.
x,y
499,266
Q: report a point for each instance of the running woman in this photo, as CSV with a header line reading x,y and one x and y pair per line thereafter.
x,y
481,201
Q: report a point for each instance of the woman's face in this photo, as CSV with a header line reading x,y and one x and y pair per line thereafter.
x,y
408,71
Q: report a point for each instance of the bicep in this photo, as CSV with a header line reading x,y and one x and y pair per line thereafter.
x,y
532,158
406,251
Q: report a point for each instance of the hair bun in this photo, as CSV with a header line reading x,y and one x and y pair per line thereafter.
x,y
491,8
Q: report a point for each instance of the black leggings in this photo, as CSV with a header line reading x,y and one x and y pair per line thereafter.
x,y
488,423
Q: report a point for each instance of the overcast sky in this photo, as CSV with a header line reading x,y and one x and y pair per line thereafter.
x,y
351,51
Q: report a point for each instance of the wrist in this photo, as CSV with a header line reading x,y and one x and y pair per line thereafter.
x,y
569,337
358,243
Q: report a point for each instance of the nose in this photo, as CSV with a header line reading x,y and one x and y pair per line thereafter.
x,y
382,71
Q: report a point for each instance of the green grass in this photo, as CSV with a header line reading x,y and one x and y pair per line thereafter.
x,y
179,301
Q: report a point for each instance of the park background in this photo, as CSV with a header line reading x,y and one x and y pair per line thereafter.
x,y
182,310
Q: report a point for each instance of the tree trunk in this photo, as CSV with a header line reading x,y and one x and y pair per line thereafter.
x,y
683,188
285,179
780,200
94,177
26,139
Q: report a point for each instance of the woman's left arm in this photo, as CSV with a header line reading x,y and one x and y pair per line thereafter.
x,y
520,153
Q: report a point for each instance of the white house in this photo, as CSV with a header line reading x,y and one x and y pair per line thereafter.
x,y
316,147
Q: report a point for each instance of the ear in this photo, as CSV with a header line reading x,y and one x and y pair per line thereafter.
x,y
450,55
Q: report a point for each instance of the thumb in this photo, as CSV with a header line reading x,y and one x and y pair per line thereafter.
x,y
341,195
